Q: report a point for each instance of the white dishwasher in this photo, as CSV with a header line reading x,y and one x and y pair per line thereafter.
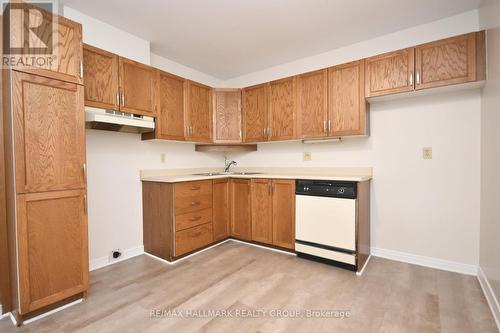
x,y
326,222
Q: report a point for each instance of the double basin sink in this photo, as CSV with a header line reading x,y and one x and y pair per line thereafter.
x,y
225,173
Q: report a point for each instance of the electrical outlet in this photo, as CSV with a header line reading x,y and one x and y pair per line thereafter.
x,y
162,157
115,255
427,153
306,156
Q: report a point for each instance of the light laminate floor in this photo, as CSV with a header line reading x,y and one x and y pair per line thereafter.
x,y
389,297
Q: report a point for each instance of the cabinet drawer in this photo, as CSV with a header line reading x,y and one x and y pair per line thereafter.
x,y
191,189
191,204
193,238
192,219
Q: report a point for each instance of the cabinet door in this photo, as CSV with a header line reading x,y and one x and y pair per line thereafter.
x,y
282,110
227,112
53,247
138,84
49,133
199,112
346,100
312,104
448,61
221,213
390,73
101,78
170,118
262,207
255,113
240,209
284,213
64,36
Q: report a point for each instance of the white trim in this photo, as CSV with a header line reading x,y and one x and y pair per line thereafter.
x,y
105,261
364,266
12,319
446,265
65,306
490,296
3,315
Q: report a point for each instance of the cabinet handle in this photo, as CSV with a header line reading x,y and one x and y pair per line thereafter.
x,y
324,126
411,79
123,98
329,125
84,167
85,203
195,203
118,98
268,133
81,69
194,188
195,218
418,77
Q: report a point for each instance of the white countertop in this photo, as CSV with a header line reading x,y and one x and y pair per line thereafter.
x,y
185,175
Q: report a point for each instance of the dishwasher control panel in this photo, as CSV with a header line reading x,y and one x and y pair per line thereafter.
x,y
326,188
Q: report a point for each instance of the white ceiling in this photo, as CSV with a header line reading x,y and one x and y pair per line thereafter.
x,y
229,38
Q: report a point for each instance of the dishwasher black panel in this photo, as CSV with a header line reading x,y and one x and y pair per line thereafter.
x,y
326,188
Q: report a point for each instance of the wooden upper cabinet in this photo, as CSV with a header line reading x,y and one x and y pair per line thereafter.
x,y
170,115
227,115
312,104
221,213
199,112
282,109
240,207
283,211
64,62
262,211
255,113
100,75
346,101
390,73
53,247
138,84
450,61
49,129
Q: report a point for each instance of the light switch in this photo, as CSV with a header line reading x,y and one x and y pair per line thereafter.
x,y
307,156
427,153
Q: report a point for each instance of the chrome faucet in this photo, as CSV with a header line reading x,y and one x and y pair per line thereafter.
x,y
227,165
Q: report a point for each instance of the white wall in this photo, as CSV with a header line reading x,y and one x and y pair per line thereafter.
x,y
490,154
114,159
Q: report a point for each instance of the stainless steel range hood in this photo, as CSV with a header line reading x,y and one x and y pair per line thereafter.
x,y
110,120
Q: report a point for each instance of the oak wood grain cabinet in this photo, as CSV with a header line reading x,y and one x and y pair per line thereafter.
x,y
255,101
221,209
227,115
282,110
49,132
273,212
240,207
64,62
177,217
53,247
347,107
199,112
262,212
450,61
138,87
101,78
390,73
171,108
312,104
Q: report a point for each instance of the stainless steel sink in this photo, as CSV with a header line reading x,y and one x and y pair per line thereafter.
x,y
242,173
247,173
209,174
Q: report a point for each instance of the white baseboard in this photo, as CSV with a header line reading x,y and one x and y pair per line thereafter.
x,y
490,296
106,261
445,265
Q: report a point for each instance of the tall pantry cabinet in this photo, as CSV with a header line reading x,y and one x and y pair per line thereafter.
x,y
44,135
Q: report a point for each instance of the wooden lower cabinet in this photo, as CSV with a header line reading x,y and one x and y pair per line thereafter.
x,y
221,212
53,249
241,227
262,209
273,212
